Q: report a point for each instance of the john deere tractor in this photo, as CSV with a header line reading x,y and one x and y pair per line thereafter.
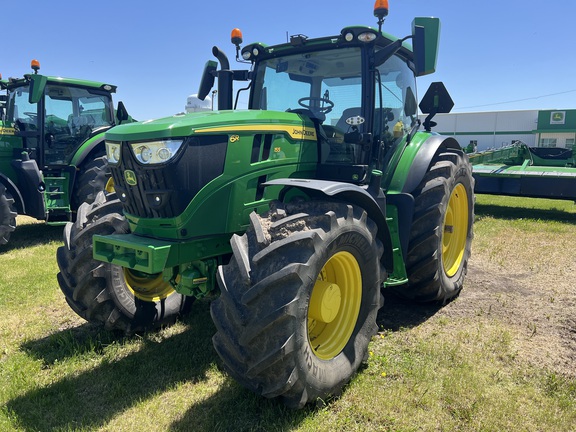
x,y
52,152
300,210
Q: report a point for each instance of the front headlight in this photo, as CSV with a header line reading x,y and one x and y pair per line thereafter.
x,y
113,151
155,152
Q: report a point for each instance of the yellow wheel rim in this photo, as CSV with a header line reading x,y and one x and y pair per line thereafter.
x,y
150,288
334,305
455,230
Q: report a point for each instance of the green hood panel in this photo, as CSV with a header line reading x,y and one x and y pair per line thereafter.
x,y
183,125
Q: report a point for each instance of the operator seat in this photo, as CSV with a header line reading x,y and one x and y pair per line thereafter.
x,y
347,113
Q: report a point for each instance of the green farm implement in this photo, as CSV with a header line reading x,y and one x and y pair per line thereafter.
x,y
301,210
52,151
519,170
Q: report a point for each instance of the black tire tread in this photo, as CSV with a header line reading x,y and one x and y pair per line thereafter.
x,y
258,304
85,281
7,215
423,264
91,179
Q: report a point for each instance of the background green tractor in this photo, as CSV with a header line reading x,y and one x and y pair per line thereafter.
x,y
52,152
301,209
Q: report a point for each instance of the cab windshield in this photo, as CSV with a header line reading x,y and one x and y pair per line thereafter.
x,y
326,83
327,86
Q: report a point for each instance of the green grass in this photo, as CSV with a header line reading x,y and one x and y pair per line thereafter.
x,y
427,370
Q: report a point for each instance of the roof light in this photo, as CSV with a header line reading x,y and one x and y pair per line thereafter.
x,y
35,65
349,37
380,12
366,37
381,9
236,36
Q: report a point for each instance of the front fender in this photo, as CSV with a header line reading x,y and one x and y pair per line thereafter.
x,y
351,193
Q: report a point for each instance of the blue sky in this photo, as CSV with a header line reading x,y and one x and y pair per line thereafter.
x,y
504,55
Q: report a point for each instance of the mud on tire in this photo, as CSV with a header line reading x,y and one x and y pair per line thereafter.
x,y
100,292
273,336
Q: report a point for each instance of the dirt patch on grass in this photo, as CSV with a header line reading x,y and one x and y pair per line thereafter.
x,y
540,312
524,282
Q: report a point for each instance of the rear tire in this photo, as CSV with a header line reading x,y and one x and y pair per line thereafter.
x,y
106,294
441,233
299,300
7,215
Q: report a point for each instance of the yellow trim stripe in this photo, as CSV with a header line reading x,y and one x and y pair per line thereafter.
x,y
7,131
295,132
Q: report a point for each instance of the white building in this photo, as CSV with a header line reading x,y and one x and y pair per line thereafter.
x,y
495,129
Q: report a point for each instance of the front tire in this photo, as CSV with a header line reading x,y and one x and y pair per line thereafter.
x,y
92,178
441,233
115,297
299,300
7,215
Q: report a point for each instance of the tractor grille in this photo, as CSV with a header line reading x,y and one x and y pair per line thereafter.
x,y
164,191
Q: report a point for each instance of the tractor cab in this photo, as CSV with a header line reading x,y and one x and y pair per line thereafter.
x,y
357,90
52,144
333,87
54,116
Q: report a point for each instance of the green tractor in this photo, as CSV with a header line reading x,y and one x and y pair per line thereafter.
x,y
52,151
301,209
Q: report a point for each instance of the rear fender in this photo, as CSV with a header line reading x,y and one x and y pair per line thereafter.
x,y
32,187
415,161
351,193
96,141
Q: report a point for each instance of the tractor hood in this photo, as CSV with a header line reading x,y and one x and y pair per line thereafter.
x,y
225,122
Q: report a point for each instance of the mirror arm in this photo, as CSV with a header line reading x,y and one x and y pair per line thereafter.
x,y
388,51
428,124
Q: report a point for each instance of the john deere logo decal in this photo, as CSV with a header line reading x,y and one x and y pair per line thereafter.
x,y
130,177
557,117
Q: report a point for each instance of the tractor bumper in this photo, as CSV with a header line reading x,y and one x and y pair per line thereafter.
x,y
137,253
153,256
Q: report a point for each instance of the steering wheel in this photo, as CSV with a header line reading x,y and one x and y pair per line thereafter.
x,y
319,109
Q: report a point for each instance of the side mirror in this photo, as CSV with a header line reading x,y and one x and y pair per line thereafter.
x,y
425,38
207,81
437,100
121,113
37,86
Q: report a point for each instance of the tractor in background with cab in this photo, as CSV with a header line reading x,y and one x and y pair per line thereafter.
x,y
302,210
52,151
